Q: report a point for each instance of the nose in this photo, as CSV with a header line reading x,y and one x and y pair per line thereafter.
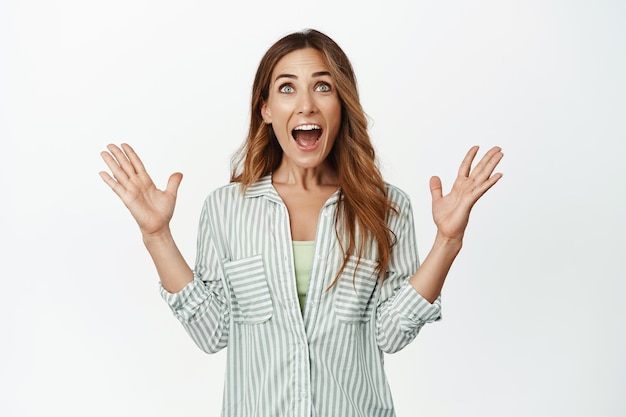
x,y
306,103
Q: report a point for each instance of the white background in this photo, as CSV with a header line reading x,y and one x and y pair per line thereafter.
x,y
534,319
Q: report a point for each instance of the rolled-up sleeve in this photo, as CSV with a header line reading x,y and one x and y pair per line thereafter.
x,y
402,311
201,305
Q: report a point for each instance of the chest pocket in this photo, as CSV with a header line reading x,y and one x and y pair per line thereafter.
x,y
355,291
250,296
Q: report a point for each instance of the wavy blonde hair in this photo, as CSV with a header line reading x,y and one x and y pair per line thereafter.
x,y
363,204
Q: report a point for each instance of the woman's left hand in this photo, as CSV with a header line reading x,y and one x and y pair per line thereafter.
x,y
451,212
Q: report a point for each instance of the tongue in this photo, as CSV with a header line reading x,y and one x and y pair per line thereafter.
x,y
306,138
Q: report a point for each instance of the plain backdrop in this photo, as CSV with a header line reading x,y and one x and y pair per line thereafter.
x,y
534,313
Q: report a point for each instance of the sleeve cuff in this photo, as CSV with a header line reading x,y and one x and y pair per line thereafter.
x,y
417,309
185,303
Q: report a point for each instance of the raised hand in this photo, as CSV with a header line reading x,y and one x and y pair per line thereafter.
x,y
152,208
451,212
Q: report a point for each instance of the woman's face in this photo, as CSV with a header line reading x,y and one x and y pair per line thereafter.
x,y
303,108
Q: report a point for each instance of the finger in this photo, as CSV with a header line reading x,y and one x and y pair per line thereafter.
x,y
487,163
435,188
484,170
133,158
115,168
122,160
115,186
174,182
466,165
485,186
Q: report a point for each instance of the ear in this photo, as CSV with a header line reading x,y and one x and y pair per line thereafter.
x,y
266,114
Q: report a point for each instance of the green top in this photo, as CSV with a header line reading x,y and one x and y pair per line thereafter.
x,y
303,252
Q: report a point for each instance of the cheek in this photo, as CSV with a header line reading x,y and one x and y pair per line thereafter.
x,y
337,112
338,116
279,111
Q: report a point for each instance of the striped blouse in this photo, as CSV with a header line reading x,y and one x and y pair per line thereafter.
x,y
325,362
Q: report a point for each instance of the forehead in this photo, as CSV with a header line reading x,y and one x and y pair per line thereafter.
x,y
300,62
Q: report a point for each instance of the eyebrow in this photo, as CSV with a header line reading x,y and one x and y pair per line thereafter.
x,y
315,74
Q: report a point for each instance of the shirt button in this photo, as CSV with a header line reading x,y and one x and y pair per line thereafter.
x,y
303,395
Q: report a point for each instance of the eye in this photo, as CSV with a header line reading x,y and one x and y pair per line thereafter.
x,y
323,87
286,88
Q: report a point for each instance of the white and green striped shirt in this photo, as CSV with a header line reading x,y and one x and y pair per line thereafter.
x,y
326,362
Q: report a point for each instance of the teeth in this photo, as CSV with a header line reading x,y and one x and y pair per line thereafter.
x,y
308,127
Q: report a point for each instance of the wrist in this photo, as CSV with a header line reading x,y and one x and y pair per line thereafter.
x,y
453,244
161,236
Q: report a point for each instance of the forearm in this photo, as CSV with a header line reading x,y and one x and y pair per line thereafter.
x,y
431,275
172,268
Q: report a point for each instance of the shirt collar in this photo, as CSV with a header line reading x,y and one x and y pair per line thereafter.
x,y
264,188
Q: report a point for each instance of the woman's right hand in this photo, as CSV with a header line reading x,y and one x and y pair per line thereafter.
x,y
152,208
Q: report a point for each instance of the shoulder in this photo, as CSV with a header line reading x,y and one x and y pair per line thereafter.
x,y
221,206
233,196
227,193
401,215
398,198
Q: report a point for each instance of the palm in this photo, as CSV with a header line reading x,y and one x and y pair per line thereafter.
x,y
451,212
152,208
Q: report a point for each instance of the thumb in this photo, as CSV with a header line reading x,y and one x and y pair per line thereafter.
x,y
173,182
435,188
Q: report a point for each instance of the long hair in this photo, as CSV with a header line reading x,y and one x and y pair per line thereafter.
x,y
363,203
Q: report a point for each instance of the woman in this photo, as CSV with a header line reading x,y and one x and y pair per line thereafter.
x,y
307,266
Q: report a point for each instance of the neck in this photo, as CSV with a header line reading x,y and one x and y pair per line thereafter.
x,y
305,178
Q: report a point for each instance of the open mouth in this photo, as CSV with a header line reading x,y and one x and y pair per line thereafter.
x,y
306,136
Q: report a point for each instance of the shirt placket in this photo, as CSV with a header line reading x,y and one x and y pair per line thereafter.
x,y
318,267
300,367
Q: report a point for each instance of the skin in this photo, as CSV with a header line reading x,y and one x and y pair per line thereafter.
x,y
302,92
451,215
304,180
152,209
